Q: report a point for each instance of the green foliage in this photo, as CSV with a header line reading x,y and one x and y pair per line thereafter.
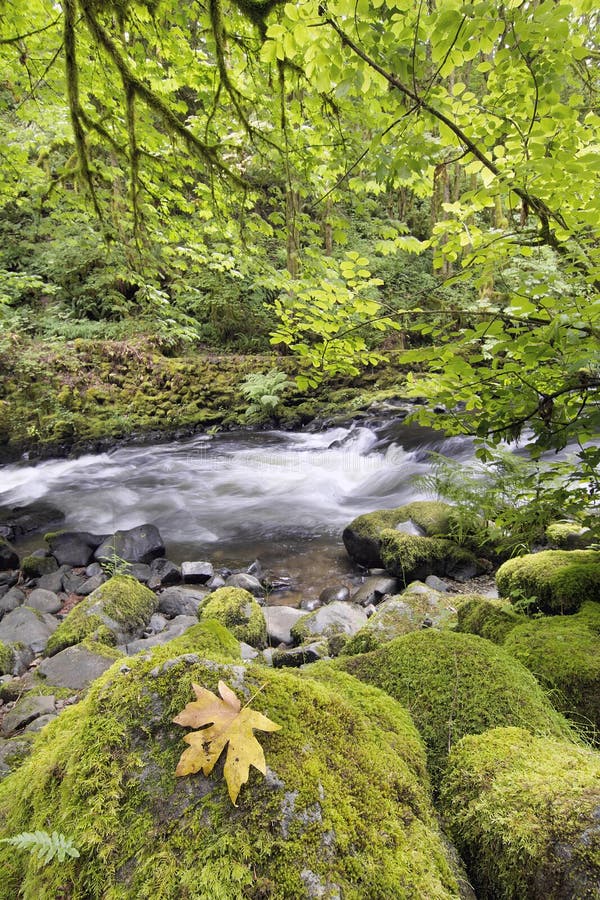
x,y
43,845
264,391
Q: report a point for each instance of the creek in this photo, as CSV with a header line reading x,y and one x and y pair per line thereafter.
x,y
281,497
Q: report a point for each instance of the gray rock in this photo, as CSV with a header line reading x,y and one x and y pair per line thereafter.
x,y
7,579
75,667
175,628
436,583
196,572
94,569
165,573
293,657
156,624
338,592
28,627
140,571
39,723
309,604
216,582
266,656
22,659
9,558
136,545
13,598
247,652
45,601
336,618
54,580
74,548
409,527
12,753
25,711
72,583
279,621
37,566
90,584
247,583
373,589
180,601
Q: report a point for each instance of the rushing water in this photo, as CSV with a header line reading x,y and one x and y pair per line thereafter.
x,y
282,497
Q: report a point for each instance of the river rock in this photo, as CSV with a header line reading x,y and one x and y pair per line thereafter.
x,y
174,629
25,710
53,581
373,589
72,582
410,558
338,592
140,571
246,582
74,548
28,627
362,537
76,667
39,723
338,617
196,572
30,519
279,621
13,598
35,566
164,573
135,545
45,601
9,558
294,657
88,586
436,583
181,601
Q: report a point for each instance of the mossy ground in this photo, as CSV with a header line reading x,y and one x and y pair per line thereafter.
x,y
523,811
345,806
559,580
456,684
239,612
121,604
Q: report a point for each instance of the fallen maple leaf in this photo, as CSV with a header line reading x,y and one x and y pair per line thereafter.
x,y
221,721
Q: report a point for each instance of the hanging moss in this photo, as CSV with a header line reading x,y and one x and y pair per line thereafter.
x,y
560,580
523,811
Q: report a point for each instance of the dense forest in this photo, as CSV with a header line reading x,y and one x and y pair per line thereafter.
x,y
258,214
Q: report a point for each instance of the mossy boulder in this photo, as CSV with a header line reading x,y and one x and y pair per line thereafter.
x,y
559,580
37,566
115,613
238,610
337,618
412,558
563,652
524,812
456,684
569,536
362,537
7,658
344,809
491,619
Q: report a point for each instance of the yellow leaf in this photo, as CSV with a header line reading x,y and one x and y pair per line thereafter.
x,y
222,721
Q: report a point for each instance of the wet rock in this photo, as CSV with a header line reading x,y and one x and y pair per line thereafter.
x,y
196,572
337,617
45,601
374,589
28,627
279,621
164,573
25,711
135,545
246,583
74,548
330,594
180,601
9,558
76,667
30,519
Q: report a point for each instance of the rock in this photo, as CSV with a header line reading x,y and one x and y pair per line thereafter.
x,y
13,598
25,711
409,527
340,592
140,571
525,813
73,548
174,629
456,684
54,580
570,536
247,652
12,753
36,566
33,518
196,572
246,583
135,545
255,568
558,580
115,613
217,581
336,618
414,558
8,579
238,611
157,624
362,537
309,604
94,569
294,657
323,805
28,627
279,621
374,589
9,558
88,586
45,601
76,667
7,659
39,723
181,601
165,573
73,583
436,583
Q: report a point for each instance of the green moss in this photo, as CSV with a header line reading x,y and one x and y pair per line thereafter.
x,y
560,580
362,536
239,612
36,566
564,655
491,619
568,535
7,659
118,607
456,684
410,558
523,811
345,804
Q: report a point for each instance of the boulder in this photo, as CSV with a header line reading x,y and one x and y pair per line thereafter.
x,y
335,618
456,684
25,711
362,536
559,581
280,620
294,657
196,572
238,611
53,581
115,613
9,558
181,601
76,667
569,536
135,545
524,812
246,582
490,619
344,808
374,589
414,558
44,601
13,598
37,566
28,627
164,573
73,548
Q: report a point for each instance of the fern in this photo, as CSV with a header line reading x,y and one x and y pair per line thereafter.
x,y
43,845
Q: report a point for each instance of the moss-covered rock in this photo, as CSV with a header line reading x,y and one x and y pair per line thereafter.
x,y
413,558
7,659
559,580
362,536
569,536
456,684
563,652
344,809
339,617
238,611
114,613
524,813
37,566
491,619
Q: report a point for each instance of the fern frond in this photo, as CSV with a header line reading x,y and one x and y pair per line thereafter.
x,y
44,845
